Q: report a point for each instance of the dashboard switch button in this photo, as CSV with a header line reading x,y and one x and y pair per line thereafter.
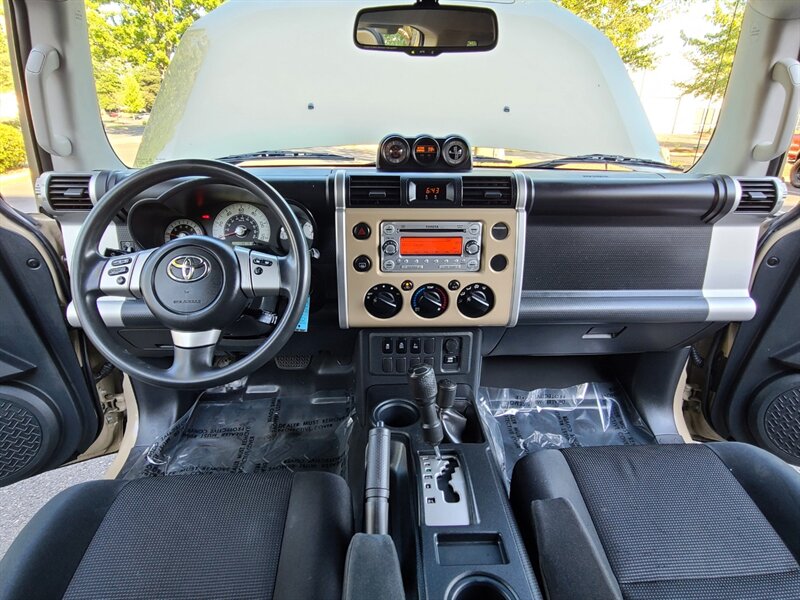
x,y
362,231
362,263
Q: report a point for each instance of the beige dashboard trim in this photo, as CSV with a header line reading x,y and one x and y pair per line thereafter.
x,y
353,285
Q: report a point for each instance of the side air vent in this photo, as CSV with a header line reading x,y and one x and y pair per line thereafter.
x,y
374,191
760,196
487,191
68,191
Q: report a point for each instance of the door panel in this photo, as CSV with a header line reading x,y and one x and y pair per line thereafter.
x,y
757,398
48,409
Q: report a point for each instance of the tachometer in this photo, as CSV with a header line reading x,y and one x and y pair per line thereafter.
x,y
181,228
242,224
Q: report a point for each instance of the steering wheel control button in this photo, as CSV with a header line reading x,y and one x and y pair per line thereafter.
x,y
383,301
265,275
362,231
407,285
498,263
118,262
117,271
121,280
362,263
429,301
499,231
475,300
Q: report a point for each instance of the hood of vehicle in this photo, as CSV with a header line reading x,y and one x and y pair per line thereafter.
x,y
253,75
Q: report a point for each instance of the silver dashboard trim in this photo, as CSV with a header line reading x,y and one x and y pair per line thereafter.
x,y
94,195
729,265
339,195
522,224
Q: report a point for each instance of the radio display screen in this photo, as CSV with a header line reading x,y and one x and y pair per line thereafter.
x,y
430,246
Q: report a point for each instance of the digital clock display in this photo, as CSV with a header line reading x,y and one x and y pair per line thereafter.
x,y
432,191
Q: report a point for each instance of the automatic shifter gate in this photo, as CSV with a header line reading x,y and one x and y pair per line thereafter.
x,y
444,491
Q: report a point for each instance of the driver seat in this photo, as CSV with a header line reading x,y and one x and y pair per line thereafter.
x,y
221,536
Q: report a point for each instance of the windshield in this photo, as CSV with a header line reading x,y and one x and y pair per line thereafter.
x,y
568,78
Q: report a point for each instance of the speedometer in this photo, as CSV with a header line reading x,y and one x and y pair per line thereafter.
x,y
241,224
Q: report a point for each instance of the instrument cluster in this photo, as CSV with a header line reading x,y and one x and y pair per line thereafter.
x,y
220,211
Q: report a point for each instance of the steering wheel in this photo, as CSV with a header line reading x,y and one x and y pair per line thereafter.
x,y
195,285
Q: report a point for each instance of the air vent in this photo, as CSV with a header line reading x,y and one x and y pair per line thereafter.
x,y
68,191
487,191
759,196
374,191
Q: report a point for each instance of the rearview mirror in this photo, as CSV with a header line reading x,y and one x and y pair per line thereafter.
x,y
426,29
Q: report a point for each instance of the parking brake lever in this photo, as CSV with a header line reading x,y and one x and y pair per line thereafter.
x,y
422,381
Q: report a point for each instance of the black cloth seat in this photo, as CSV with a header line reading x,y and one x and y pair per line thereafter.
x,y
716,521
236,536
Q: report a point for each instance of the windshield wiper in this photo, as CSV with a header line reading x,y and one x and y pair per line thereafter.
x,y
270,154
605,159
491,159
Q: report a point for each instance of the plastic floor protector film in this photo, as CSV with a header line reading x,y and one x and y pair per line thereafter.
x,y
590,414
246,432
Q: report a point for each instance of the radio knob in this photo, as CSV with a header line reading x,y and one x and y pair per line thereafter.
x,y
383,301
475,300
472,247
429,301
390,248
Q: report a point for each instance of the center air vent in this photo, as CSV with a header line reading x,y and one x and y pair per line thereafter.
x,y
374,191
760,196
487,191
68,191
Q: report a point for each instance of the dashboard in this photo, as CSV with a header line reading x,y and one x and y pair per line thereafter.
x,y
551,262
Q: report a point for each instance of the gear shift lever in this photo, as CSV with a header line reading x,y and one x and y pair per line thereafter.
x,y
422,381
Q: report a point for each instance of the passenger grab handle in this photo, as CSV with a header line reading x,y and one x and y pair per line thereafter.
x,y
787,73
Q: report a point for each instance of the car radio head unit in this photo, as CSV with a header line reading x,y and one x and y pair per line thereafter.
x,y
430,246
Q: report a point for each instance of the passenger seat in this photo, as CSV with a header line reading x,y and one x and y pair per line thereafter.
x,y
691,522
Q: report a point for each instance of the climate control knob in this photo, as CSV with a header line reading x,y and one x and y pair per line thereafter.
x,y
429,301
475,300
383,301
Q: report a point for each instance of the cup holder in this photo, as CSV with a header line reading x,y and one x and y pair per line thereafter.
x,y
396,413
480,587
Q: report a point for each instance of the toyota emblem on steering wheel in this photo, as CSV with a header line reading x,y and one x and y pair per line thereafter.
x,y
188,269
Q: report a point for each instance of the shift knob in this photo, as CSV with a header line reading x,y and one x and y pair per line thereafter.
x,y
422,381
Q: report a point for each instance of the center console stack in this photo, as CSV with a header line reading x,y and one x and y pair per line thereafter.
x,y
429,249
